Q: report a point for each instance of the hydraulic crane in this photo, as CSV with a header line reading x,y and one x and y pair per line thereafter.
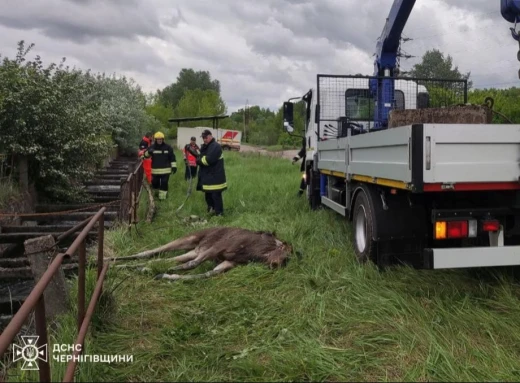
x,y
387,50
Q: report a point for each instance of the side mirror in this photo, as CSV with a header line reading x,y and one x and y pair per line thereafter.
x,y
288,122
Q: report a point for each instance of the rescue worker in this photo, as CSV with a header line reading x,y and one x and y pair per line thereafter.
x,y
147,163
191,152
301,154
163,164
212,176
146,141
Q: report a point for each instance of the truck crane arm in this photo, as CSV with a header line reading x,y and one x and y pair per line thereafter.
x,y
386,58
387,50
388,43
510,10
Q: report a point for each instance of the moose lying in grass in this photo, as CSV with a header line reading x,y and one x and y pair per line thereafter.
x,y
227,246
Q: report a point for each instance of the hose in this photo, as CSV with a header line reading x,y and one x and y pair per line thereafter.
x,y
188,194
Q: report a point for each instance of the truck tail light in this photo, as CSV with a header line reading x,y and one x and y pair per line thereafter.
x,y
455,229
491,225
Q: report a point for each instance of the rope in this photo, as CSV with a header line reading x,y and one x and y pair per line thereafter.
x,y
61,212
188,193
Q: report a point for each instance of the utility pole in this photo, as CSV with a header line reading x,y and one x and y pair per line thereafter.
x,y
246,119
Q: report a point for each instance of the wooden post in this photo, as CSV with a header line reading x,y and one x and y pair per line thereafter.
x,y
39,256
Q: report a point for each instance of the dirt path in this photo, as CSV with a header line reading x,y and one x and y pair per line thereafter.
x,y
288,154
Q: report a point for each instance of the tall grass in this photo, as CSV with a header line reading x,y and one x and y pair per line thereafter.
x,y
8,191
324,317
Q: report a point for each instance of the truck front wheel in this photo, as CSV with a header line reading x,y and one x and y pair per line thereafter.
x,y
313,189
364,245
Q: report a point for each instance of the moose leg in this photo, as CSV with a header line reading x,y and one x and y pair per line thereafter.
x,y
186,243
221,268
189,256
204,255
180,258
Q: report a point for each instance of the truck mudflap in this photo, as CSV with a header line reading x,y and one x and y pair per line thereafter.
x,y
466,257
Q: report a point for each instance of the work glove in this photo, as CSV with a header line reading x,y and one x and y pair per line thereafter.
x,y
174,170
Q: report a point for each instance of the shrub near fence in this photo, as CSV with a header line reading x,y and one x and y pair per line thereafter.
x,y
65,120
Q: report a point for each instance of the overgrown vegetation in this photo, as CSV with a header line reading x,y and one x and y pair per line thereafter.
x,y
8,191
322,318
66,120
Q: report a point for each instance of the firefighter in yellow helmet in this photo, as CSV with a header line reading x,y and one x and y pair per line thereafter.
x,y
163,164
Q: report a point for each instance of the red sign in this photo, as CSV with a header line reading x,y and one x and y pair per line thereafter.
x,y
229,135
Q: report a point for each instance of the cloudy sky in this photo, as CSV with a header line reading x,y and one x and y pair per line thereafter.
x,y
262,51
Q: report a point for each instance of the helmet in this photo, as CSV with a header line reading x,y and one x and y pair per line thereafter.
x,y
158,135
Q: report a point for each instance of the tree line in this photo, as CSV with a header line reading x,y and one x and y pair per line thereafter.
x,y
195,93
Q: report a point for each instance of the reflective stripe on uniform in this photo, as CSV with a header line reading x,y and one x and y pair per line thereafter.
x,y
161,171
174,164
205,161
214,187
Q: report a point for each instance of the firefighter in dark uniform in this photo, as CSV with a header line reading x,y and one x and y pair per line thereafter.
x,y
163,164
212,176
301,154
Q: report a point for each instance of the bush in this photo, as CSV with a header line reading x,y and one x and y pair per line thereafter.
x,y
65,121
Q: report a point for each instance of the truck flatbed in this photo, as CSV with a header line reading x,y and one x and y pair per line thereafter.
x,y
429,157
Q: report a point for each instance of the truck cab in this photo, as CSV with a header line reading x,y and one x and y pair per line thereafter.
x,y
354,105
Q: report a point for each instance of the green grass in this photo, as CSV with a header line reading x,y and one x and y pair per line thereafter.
x,y
8,192
324,317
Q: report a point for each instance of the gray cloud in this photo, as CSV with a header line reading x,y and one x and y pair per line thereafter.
x,y
82,21
265,51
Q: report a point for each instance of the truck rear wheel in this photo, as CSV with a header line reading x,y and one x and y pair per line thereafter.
x,y
363,221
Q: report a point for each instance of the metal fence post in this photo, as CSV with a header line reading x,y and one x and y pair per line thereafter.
x,y
41,331
81,282
101,240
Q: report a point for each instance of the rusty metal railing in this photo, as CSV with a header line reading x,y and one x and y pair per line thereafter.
x,y
130,195
35,300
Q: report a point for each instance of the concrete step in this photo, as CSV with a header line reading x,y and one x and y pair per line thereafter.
x,y
56,208
21,237
114,194
114,177
104,182
114,172
78,216
44,228
105,198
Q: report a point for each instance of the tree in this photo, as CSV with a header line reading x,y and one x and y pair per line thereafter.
x,y
187,80
196,103
435,65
